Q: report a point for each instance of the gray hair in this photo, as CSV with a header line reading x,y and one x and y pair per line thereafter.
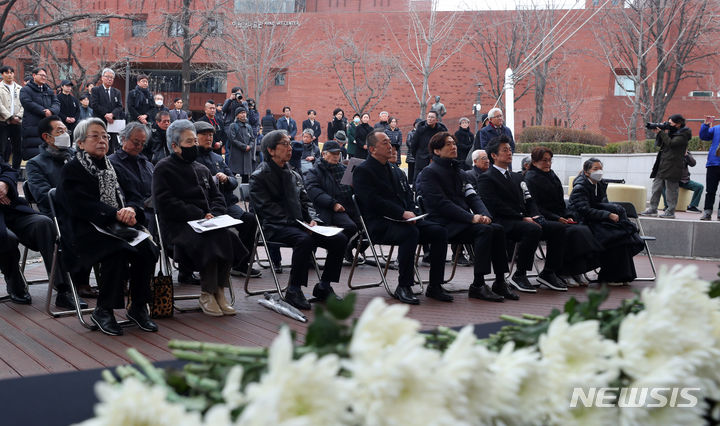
x,y
384,112
493,112
81,130
105,70
525,161
309,131
173,132
476,154
464,119
131,128
271,141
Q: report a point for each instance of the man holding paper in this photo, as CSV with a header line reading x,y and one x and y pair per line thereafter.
x,y
279,198
386,200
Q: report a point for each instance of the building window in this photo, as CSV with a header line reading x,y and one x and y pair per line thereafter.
x,y
139,28
269,6
280,77
175,29
702,93
215,26
103,29
165,81
624,85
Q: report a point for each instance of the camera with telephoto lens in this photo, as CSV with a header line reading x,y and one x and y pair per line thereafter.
x,y
238,96
661,126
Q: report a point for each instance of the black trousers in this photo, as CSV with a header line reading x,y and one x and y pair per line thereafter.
x,y
246,230
711,184
304,244
528,235
137,266
407,237
11,144
36,232
488,244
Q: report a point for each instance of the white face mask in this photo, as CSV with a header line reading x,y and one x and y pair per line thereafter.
x,y
597,175
158,102
62,141
356,120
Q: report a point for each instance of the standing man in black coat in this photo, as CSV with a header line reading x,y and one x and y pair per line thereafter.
x,y
424,131
268,123
453,203
39,101
220,135
386,202
140,101
106,103
508,199
494,129
464,138
69,106
313,124
229,106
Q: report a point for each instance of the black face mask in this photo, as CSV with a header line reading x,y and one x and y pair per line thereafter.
x,y
202,150
189,154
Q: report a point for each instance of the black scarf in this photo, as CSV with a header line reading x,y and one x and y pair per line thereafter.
x,y
337,171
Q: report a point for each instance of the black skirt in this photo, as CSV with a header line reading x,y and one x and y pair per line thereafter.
x,y
194,250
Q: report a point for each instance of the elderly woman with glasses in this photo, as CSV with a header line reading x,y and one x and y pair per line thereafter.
x,y
547,191
89,197
185,190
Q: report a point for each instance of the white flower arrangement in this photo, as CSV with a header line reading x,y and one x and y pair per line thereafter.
x,y
384,372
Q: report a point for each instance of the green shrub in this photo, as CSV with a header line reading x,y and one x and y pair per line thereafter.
x,y
541,134
648,145
561,148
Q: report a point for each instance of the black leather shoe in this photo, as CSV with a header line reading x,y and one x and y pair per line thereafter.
x,y
21,298
184,278
550,280
437,292
105,320
483,292
64,300
278,269
321,292
296,298
521,283
84,290
242,272
464,261
501,288
405,295
141,317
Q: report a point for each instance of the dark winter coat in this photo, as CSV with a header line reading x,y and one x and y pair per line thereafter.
x,y
268,124
215,163
315,126
140,102
505,198
157,147
134,176
69,107
670,161
489,132
43,173
288,125
420,142
324,191
241,137
361,132
35,100
334,126
464,140
547,191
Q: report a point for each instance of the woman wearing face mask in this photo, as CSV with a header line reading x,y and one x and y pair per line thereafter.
x,y
184,190
352,148
361,133
608,223
159,105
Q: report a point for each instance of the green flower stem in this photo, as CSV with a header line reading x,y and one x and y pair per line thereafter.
x,y
109,377
220,348
202,383
213,358
516,320
155,375
534,317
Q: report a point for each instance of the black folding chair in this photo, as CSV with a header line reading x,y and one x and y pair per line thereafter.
x,y
632,215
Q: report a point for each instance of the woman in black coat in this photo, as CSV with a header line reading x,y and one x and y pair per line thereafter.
x,y
361,133
184,190
581,248
89,198
339,122
465,139
608,223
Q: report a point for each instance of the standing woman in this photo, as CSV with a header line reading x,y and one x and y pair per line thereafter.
x,y
395,135
352,148
608,223
89,195
361,133
339,122
465,139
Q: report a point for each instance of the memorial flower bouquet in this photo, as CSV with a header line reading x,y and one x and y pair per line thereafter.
x,y
653,360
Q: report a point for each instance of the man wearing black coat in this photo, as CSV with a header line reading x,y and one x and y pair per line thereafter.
x,y
278,195
226,183
494,129
313,124
268,123
386,203
39,101
157,148
220,135
140,101
229,106
452,202
419,149
106,103
508,199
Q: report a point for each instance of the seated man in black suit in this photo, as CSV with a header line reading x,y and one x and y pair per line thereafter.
x,y
277,193
452,202
508,199
386,200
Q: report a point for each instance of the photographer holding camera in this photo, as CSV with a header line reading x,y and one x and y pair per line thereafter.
x,y
231,104
672,138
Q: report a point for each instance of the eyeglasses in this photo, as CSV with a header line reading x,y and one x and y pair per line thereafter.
x,y
41,75
96,137
164,121
284,143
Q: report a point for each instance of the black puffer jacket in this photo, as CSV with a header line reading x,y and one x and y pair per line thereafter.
x,y
420,142
278,196
324,191
547,191
464,140
35,100
586,197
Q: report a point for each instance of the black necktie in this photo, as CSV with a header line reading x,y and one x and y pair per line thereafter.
x,y
507,174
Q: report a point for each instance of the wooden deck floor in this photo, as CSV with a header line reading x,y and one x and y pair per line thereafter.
x,y
33,343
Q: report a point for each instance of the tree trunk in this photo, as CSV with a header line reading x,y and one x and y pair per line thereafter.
x,y
186,49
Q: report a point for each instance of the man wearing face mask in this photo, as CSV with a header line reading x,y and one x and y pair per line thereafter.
x,y
157,107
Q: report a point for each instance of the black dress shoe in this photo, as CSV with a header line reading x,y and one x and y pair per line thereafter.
x,y
322,292
65,300
278,269
296,298
550,280
21,298
501,288
521,283
105,320
483,292
437,292
464,261
242,272
87,291
184,278
141,317
405,295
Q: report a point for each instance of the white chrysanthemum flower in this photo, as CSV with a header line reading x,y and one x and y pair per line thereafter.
x,y
303,392
218,415
401,386
132,403
231,392
380,326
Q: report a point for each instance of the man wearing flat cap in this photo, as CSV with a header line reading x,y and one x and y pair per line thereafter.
x,y
341,138
241,147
